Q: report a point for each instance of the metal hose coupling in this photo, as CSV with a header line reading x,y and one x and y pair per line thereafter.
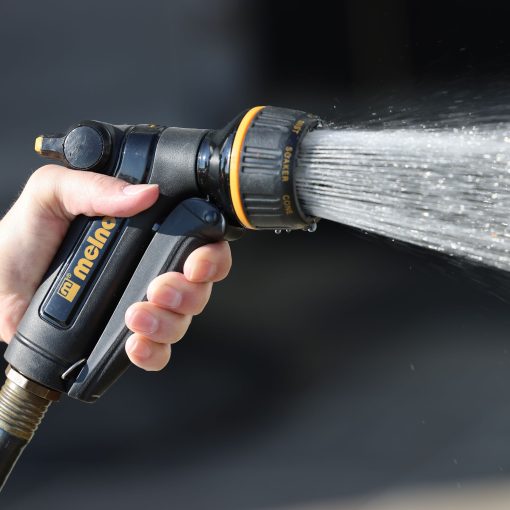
x,y
23,404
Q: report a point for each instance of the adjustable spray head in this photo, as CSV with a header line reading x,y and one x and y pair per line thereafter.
x,y
255,176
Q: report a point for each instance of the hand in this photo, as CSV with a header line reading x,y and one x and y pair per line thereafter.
x,y
33,229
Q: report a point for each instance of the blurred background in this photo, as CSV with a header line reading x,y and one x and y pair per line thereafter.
x,y
331,370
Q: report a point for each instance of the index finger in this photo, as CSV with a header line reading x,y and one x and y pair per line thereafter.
x,y
209,263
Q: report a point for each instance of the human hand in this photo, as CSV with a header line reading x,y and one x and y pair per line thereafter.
x,y
34,227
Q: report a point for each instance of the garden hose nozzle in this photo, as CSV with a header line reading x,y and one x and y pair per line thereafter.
x,y
213,186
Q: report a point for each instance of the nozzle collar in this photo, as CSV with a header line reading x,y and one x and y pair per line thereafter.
x,y
264,152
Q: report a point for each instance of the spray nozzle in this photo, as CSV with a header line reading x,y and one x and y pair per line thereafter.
x,y
254,172
213,185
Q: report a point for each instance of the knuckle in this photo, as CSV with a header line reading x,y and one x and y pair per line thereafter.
x,y
224,261
42,173
40,178
96,184
167,355
12,308
200,307
180,327
44,188
98,180
228,256
228,264
130,311
163,280
160,358
202,298
6,329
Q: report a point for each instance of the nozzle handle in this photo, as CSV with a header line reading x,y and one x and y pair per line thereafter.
x,y
193,223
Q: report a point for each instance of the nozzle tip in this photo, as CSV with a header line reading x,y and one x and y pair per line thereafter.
x,y
38,144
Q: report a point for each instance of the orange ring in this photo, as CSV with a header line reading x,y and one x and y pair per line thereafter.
x,y
235,166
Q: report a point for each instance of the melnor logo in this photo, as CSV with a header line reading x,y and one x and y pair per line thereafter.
x,y
68,289
93,249
90,250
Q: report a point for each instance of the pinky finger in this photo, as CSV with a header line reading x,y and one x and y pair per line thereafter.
x,y
146,354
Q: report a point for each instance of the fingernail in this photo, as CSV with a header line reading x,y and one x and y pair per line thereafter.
x,y
204,271
143,322
135,189
138,348
169,297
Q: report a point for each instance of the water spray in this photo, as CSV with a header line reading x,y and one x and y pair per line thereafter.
x,y
443,186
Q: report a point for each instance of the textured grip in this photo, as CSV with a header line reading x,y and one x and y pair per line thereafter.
x,y
192,224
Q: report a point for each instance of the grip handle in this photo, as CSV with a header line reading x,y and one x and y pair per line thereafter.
x,y
193,223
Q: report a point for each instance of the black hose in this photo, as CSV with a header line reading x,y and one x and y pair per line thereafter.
x,y
23,404
11,448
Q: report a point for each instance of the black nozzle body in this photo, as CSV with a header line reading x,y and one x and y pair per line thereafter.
x,y
245,169
240,177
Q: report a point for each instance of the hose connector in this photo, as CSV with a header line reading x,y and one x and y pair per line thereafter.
x,y
23,404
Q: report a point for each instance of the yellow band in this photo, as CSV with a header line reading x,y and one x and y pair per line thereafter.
x,y
38,144
235,165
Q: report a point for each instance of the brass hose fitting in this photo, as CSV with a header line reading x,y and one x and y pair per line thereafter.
x,y
23,404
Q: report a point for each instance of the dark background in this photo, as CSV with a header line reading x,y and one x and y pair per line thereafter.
x,y
331,367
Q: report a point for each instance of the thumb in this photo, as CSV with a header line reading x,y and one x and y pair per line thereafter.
x,y
64,193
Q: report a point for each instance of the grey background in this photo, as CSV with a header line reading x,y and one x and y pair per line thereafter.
x,y
328,366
